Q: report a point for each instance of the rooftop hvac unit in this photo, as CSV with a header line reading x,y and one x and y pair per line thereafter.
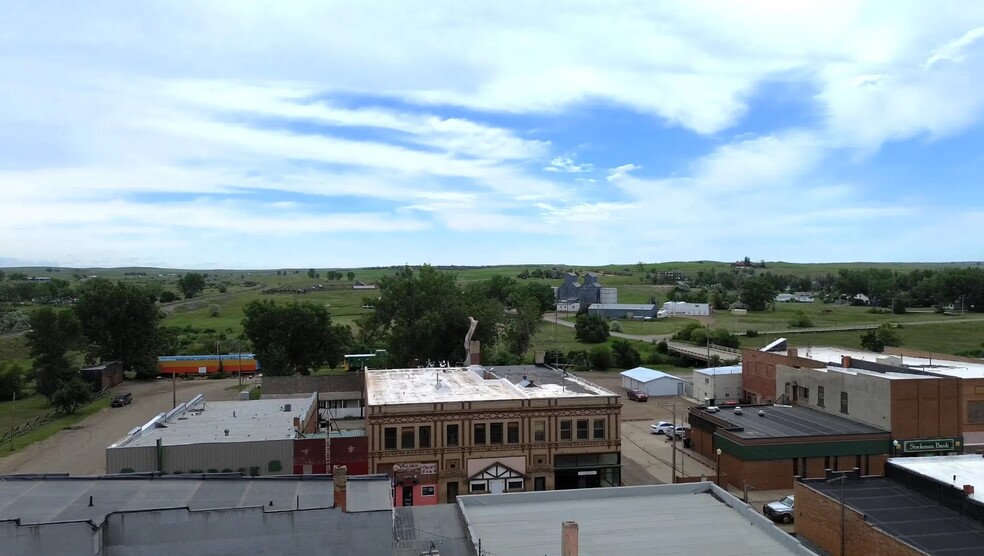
x,y
286,407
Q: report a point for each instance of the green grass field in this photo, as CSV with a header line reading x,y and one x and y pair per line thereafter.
x,y
822,315
940,338
48,429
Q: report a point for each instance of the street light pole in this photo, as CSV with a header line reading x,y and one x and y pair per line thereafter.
x,y
842,479
718,467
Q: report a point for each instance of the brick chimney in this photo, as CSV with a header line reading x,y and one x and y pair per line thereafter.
x,y
792,352
339,479
475,352
568,539
846,361
968,490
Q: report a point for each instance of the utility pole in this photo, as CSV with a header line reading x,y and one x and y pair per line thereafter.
x,y
673,437
13,401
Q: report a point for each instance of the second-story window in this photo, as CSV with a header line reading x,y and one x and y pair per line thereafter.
x,y
389,438
406,438
425,436
512,432
451,436
582,429
565,430
479,436
820,396
599,429
539,431
843,402
495,433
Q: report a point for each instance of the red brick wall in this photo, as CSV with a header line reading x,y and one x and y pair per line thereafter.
x,y
758,372
703,442
925,408
352,452
817,520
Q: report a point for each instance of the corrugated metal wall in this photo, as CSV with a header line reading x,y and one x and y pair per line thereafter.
x,y
220,456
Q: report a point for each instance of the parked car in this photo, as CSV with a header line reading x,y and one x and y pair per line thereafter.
x,y
122,399
680,430
781,510
638,395
660,427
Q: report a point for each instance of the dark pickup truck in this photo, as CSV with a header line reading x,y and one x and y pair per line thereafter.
x,y
122,399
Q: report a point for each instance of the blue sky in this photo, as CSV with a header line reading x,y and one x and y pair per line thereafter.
x,y
330,134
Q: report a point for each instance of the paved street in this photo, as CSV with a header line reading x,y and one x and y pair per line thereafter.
x,y
82,450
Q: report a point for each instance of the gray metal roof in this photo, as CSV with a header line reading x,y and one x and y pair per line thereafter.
x,y
695,518
47,498
781,421
417,529
909,516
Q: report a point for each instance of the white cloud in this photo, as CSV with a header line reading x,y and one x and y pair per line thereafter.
x,y
617,173
286,119
568,165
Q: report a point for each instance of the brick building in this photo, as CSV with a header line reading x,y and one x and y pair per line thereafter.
x,y
915,509
920,397
441,432
766,447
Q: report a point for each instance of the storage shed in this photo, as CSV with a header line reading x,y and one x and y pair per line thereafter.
x,y
654,383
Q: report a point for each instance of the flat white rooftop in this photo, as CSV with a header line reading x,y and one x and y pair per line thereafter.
x,y
714,371
888,376
673,520
246,421
959,369
461,384
952,470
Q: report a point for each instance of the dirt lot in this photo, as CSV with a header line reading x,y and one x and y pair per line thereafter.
x,y
82,450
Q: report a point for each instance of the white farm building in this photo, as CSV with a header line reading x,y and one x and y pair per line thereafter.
x,y
653,383
676,308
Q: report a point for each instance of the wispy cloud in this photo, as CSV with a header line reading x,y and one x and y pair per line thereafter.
x,y
567,165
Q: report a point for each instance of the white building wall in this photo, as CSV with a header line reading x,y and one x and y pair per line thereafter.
x,y
682,308
720,388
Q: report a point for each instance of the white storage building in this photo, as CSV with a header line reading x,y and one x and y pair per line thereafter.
x,y
675,308
654,383
717,385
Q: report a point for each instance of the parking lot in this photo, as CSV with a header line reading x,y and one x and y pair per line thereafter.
x,y
648,458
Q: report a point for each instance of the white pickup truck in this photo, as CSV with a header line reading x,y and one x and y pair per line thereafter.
x,y
781,510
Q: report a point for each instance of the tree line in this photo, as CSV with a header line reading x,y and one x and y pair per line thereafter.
x,y
110,321
421,316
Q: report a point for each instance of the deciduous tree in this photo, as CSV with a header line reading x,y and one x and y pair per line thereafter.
x,y
757,292
53,334
120,322
293,338
191,284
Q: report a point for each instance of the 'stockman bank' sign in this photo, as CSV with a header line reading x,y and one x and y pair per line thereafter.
x,y
936,445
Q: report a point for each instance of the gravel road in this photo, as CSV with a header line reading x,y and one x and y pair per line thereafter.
x,y
82,450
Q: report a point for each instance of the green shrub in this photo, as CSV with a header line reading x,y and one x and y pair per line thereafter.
x,y
274,466
751,333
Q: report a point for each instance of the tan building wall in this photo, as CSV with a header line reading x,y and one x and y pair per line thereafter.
x,y
818,521
758,372
528,455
